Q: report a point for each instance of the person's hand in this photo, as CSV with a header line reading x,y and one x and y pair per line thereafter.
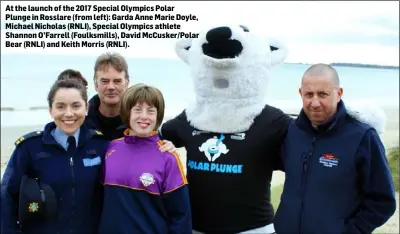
x,y
168,147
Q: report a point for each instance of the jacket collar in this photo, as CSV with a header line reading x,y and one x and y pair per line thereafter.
x,y
94,104
49,139
129,139
326,127
62,138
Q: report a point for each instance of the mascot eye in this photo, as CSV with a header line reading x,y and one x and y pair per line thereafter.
x,y
246,29
273,48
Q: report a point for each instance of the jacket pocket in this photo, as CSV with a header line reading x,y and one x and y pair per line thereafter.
x,y
327,226
286,221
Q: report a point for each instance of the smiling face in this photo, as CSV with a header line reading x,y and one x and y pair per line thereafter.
x,y
142,109
143,119
68,109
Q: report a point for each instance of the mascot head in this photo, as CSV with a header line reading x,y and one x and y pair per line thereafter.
x,y
229,62
230,69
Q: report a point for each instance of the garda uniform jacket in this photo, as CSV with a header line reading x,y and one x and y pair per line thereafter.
x,y
337,178
73,176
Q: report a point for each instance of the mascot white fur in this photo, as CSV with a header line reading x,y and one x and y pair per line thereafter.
x,y
231,77
232,137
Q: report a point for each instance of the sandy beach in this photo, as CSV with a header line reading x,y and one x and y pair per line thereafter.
x,y
390,139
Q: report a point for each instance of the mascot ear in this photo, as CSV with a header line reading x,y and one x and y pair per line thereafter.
x,y
368,113
279,52
182,48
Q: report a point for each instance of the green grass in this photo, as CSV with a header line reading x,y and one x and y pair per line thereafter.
x,y
276,192
393,159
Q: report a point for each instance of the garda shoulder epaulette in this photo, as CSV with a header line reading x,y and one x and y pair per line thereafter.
x,y
94,132
28,136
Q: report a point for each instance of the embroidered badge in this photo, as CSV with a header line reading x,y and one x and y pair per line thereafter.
x,y
33,207
90,162
147,179
109,153
197,132
238,136
328,160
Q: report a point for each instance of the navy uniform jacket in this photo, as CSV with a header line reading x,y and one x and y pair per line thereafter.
x,y
74,177
337,178
112,127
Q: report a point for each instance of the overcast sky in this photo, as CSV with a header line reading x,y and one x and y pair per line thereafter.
x,y
359,32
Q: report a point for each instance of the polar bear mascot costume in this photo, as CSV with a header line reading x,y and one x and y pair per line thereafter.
x,y
232,137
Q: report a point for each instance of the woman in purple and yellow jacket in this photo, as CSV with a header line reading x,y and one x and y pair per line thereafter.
x,y
145,189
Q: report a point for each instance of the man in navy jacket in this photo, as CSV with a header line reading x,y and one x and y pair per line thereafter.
x,y
337,174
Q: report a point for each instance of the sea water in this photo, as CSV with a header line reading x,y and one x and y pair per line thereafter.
x,y
26,79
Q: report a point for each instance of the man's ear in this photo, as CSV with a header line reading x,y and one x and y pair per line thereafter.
x,y
340,93
279,52
95,83
300,91
182,48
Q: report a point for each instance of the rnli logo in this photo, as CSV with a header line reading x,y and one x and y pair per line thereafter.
x,y
147,179
33,207
329,160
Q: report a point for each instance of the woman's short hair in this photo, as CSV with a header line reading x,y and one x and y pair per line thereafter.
x,y
68,84
142,93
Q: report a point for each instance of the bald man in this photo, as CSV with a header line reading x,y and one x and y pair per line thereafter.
x,y
337,174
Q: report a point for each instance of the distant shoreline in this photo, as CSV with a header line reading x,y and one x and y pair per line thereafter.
x,y
30,108
360,65
364,65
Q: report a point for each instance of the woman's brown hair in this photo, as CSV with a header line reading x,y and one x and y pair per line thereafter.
x,y
142,93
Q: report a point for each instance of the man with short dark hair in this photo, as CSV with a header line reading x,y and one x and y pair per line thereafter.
x,y
337,175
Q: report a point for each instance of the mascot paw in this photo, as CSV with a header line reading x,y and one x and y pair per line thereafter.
x,y
369,113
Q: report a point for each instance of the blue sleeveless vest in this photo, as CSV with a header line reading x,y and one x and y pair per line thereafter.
x,y
321,174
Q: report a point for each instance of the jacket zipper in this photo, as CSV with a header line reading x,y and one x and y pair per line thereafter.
x,y
71,163
306,158
73,187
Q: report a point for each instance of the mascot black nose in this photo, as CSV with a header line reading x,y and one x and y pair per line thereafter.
x,y
219,44
219,34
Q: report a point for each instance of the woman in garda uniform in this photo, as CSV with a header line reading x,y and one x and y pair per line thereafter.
x,y
67,157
